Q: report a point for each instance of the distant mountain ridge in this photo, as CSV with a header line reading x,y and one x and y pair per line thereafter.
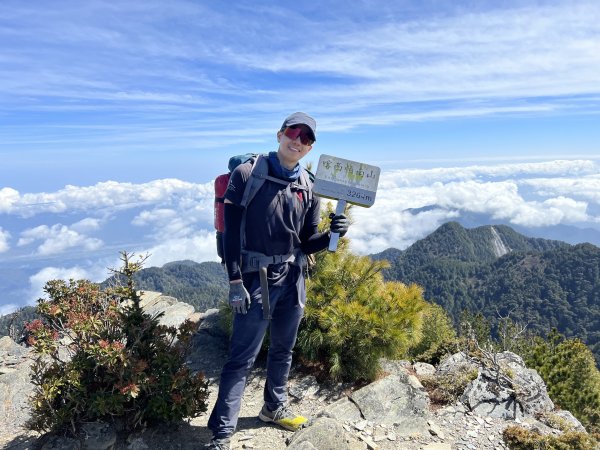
x,y
497,271
570,234
455,242
202,285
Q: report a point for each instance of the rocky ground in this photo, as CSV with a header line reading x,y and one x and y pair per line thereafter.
x,y
450,428
392,413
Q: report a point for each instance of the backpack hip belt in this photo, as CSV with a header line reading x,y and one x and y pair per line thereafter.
x,y
259,262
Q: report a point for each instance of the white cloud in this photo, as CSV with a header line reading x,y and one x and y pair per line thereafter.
x,y
39,280
8,198
587,187
498,192
8,308
4,237
57,239
374,232
554,169
199,247
158,215
95,271
107,197
567,210
86,225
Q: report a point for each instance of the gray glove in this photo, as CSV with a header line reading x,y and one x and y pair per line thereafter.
x,y
239,299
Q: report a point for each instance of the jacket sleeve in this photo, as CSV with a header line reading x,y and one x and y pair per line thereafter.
x,y
231,241
311,240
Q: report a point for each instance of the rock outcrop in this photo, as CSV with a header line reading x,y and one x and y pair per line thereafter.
x,y
15,385
174,312
508,391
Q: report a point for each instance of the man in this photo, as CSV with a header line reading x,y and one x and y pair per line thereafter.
x,y
265,246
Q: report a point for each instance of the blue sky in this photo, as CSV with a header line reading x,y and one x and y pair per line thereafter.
x,y
115,117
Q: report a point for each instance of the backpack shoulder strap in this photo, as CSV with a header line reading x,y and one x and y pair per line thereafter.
x,y
307,179
257,177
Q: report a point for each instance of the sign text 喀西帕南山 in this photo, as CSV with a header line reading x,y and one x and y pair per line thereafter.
x,y
342,179
347,182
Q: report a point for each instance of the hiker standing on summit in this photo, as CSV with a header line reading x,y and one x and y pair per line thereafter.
x,y
266,241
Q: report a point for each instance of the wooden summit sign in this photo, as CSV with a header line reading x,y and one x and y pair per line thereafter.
x,y
347,182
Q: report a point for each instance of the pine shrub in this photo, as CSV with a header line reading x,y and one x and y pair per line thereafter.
x,y
353,318
569,370
101,358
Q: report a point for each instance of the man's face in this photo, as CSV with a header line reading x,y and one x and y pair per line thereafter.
x,y
294,143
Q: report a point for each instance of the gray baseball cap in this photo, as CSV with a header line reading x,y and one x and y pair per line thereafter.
x,y
300,118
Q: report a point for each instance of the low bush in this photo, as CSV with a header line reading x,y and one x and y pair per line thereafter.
x,y
519,438
446,389
100,357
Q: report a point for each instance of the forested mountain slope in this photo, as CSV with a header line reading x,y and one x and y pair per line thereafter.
x,y
497,271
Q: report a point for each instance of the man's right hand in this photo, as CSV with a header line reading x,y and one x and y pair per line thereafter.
x,y
239,299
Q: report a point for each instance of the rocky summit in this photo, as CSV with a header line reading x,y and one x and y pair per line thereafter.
x,y
394,412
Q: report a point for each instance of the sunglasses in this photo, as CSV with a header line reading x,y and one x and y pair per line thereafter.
x,y
294,131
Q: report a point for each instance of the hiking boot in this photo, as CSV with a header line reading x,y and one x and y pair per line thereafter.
x,y
219,444
283,417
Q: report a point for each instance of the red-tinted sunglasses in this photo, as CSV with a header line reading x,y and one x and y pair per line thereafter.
x,y
295,131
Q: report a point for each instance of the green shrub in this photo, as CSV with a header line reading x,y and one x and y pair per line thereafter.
x,y
100,357
569,370
353,318
519,438
438,337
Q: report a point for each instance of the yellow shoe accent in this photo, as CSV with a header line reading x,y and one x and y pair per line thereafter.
x,y
283,417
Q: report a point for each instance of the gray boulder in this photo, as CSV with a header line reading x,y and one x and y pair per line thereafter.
x,y
174,311
455,363
15,385
512,392
398,400
324,434
395,400
342,410
424,369
15,389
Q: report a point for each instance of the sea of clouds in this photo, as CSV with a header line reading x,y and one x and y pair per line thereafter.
x,y
78,231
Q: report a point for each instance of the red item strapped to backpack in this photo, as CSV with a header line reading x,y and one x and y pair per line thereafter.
x,y
221,183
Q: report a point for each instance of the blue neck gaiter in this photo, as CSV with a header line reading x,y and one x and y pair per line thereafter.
x,y
281,172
